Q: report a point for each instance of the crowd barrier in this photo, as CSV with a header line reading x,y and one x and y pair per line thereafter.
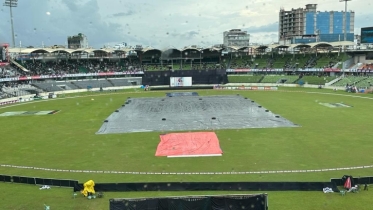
x,y
252,202
218,87
188,186
39,181
211,186
356,180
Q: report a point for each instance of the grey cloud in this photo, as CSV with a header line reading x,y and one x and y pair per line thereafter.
x,y
35,26
122,14
273,27
186,35
72,5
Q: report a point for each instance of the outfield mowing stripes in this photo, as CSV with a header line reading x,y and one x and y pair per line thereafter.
x,y
286,91
188,173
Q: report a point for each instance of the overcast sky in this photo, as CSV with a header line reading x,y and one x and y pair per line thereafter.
x,y
159,23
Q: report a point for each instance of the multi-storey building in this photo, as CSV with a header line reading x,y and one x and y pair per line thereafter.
x,y
78,41
236,37
305,25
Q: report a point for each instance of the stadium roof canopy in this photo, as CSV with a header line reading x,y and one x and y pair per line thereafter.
x,y
81,51
342,43
171,49
216,49
280,46
63,50
29,50
211,49
261,47
190,48
301,45
149,49
237,48
320,44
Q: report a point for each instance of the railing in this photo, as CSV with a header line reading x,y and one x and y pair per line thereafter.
x,y
19,65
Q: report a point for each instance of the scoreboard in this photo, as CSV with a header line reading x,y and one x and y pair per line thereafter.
x,y
367,35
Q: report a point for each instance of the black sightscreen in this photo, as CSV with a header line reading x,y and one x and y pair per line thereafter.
x,y
16,179
30,180
48,182
7,178
228,202
56,182
65,183
39,181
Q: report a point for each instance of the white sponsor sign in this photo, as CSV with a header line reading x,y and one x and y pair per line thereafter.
x,y
180,81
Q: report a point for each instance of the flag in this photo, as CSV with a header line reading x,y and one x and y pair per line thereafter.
x,y
347,184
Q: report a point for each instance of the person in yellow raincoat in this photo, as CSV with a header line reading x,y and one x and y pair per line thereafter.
x,y
88,188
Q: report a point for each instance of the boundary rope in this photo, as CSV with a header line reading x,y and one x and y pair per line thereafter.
x,y
187,173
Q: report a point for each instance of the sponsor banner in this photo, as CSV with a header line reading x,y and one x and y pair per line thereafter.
x,y
23,113
364,70
8,102
331,70
284,70
241,70
335,105
180,81
245,88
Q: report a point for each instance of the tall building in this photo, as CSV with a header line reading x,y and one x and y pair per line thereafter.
x,y
78,41
306,25
236,37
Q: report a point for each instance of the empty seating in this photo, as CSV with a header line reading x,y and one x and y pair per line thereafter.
x,y
351,80
280,79
93,84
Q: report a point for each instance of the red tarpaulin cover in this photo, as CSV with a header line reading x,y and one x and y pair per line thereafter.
x,y
189,144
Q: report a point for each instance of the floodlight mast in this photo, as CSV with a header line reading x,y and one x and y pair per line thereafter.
x,y
345,31
10,4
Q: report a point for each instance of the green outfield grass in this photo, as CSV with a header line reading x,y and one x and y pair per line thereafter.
x,y
327,138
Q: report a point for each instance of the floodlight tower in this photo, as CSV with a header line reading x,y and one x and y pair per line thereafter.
x,y
10,4
345,35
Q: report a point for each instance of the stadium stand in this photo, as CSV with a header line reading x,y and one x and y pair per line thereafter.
x,y
349,80
52,86
8,71
366,67
73,66
315,80
125,81
92,84
289,61
366,83
15,89
287,79
245,78
241,62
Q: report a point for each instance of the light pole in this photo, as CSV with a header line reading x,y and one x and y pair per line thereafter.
x,y
10,4
345,31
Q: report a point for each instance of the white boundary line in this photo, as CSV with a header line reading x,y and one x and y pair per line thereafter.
x,y
187,173
184,173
